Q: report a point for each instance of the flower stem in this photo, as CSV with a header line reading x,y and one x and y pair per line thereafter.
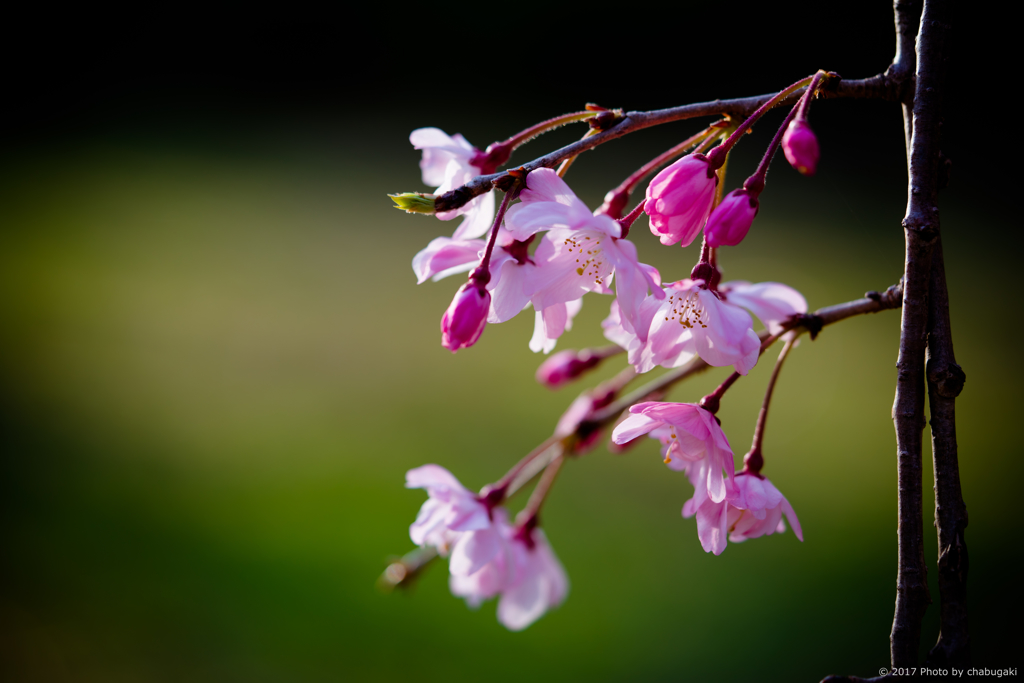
x,y
527,518
499,152
482,274
717,155
754,461
755,183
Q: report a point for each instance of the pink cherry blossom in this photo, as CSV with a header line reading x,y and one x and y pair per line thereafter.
x,y
638,352
689,435
772,302
679,199
581,252
493,575
550,323
712,516
464,321
693,319
800,146
450,510
758,508
540,583
753,507
445,256
731,220
448,162
525,572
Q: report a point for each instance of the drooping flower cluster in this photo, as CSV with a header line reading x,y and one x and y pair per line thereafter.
x,y
727,505
544,249
487,556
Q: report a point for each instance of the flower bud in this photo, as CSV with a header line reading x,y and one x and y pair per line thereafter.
x,y
414,202
679,199
464,321
565,366
801,147
731,220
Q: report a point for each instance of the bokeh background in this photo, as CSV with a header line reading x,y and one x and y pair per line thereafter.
x,y
216,366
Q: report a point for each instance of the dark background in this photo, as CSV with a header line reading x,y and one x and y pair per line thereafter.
x,y
215,369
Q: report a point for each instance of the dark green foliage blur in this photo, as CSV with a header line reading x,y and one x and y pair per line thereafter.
x,y
216,367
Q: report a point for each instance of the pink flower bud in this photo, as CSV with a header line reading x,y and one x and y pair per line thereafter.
x,y
464,321
801,147
731,220
679,199
565,366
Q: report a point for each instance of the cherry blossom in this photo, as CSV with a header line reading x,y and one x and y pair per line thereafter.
x,y
540,583
448,162
689,435
772,302
580,252
521,568
449,510
445,256
694,319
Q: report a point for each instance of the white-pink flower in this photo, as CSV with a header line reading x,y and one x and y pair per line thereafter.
x,y
540,584
445,256
580,252
753,507
525,573
691,438
447,163
694,319
492,575
772,302
759,507
450,510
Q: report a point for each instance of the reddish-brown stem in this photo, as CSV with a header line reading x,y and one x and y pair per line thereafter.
x,y
717,156
527,518
627,186
482,274
805,100
630,218
755,183
754,460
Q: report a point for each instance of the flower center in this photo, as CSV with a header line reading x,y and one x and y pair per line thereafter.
x,y
687,309
588,256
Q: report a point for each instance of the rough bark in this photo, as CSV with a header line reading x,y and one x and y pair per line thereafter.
x,y
945,382
921,230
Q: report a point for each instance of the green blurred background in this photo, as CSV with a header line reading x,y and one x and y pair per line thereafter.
x,y
216,368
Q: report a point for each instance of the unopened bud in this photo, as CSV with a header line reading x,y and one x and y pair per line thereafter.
x,y
679,199
565,366
731,220
464,321
414,202
801,147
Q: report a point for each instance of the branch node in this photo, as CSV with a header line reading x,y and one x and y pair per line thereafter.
x,y
948,378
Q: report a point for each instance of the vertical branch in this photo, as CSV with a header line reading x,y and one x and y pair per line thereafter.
x,y
921,230
945,382
904,64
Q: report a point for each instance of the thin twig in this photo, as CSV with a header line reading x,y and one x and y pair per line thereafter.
x,y
876,87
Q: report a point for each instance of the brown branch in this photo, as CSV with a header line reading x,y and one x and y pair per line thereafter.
x,y
876,87
920,226
945,382
873,302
